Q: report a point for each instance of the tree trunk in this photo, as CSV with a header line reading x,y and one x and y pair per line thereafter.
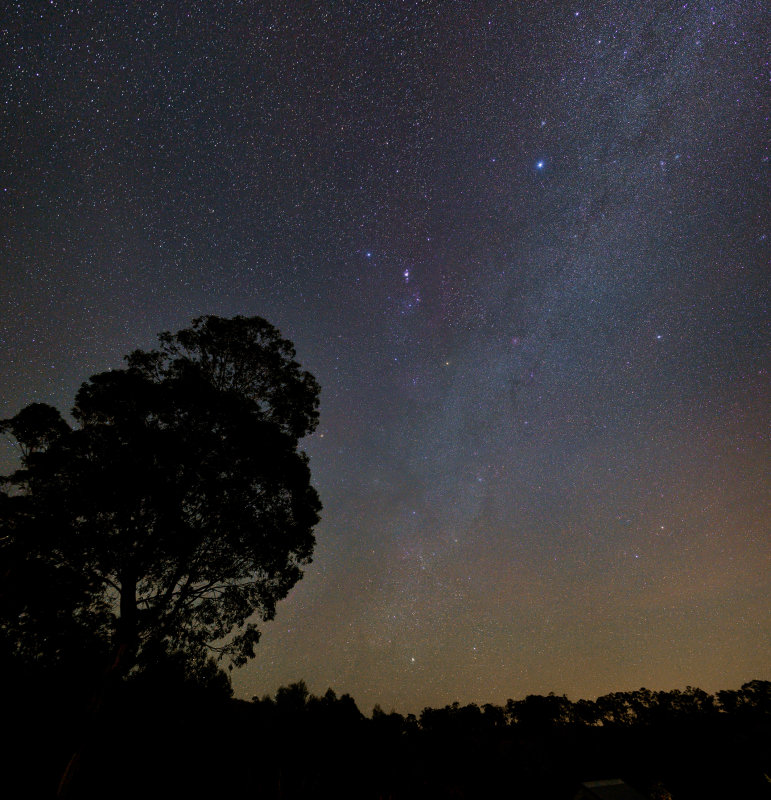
x,y
92,714
127,638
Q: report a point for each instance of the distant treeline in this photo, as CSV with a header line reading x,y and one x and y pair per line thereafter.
x,y
679,744
537,712
163,737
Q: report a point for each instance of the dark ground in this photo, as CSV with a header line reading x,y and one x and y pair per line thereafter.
x,y
185,741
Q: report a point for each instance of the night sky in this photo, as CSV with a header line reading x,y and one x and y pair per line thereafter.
x,y
524,248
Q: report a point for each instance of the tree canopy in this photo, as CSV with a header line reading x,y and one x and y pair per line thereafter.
x,y
176,511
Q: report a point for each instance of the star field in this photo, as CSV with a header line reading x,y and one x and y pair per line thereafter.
x,y
524,249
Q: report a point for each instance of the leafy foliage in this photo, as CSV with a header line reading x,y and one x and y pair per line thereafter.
x,y
176,510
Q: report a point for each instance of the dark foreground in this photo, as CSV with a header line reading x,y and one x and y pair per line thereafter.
x,y
189,742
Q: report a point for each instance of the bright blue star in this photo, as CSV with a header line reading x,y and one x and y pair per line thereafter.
x,y
539,164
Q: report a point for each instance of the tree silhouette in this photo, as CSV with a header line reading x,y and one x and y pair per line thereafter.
x,y
176,510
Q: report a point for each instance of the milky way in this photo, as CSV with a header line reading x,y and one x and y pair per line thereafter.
x,y
524,249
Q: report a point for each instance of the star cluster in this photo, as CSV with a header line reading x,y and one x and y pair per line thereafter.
x,y
523,247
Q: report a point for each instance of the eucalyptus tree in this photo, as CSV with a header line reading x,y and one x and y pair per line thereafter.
x,y
177,510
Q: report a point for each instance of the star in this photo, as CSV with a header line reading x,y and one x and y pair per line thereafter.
x,y
497,367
